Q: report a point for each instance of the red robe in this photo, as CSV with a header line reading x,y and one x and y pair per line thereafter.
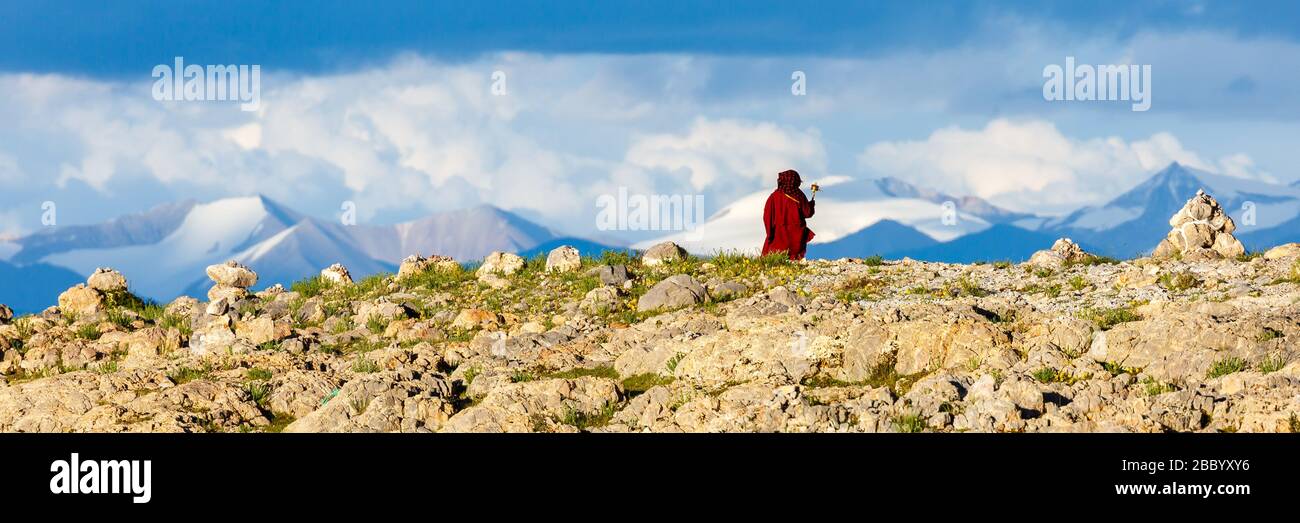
x,y
783,218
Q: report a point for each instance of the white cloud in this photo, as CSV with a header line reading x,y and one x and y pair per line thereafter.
x,y
1031,166
712,151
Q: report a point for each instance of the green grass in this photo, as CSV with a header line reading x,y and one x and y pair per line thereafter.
x,y
1105,319
258,373
376,323
1178,281
279,421
310,287
1226,366
1268,334
1272,363
1117,368
259,392
1156,388
1078,283
571,374
635,385
185,374
873,261
1050,375
909,423
584,421
365,366
671,364
88,331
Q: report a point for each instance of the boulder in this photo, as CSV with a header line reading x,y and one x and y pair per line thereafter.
x,y
1201,230
415,264
1286,250
612,274
503,263
674,292
563,259
106,280
230,293
470,319
336,274
232,274
665,252
6,313
81,300
1063,251
600,300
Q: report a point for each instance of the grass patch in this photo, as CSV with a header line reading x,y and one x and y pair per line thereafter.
x,y
1078,283
573,374
1050,375
635,385
909,423
1105,319
365,366
1272,363
185,374
1226,366
1115,369
258,373
1156,388
584,421
1178,281
87,331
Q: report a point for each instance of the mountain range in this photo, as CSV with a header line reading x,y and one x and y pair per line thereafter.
x,y
163,250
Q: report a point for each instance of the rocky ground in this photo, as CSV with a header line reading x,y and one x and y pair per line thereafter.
x,y
1201,337
668,343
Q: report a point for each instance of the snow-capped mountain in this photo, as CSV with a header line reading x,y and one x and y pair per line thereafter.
x,y
163,251
844,207
1134,222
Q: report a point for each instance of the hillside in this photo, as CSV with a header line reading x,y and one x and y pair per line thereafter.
x,y
664,343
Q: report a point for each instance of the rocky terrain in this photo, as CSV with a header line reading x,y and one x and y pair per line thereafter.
x,y
1200,337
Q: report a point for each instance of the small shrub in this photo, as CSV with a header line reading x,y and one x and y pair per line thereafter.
x,y
1107,318
1272,363
1078,283
909,423
365,366
88,331
1156,388
1178,281
1226,366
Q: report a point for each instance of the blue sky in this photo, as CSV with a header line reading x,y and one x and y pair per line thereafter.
x,y
389,106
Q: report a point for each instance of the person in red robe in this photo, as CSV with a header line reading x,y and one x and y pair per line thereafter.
x,y
784,217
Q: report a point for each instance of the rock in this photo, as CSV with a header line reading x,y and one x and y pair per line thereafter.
x,y
470,319
1286,250
601,300
336,274
563,259
665,252
676,291
387,401
6,314
494,281
1063,251
107,280
415,264
81,300
262,330
612,274
726,290
533,405
502,263
226,292
232,274
1201,230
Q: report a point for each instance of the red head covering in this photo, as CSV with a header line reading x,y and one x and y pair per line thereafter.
x,y
788,182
